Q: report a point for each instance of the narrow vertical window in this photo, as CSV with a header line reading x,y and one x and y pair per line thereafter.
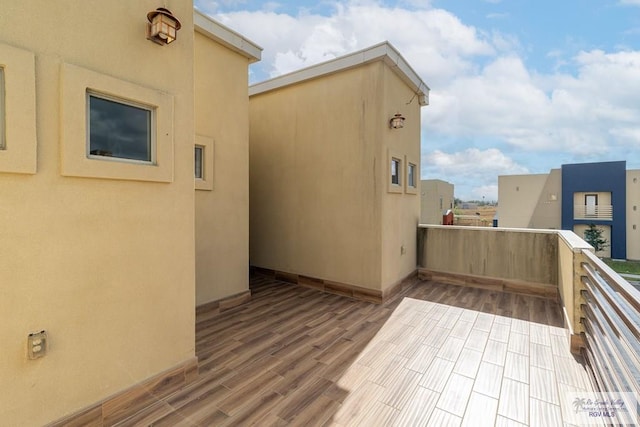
x,y
395,171
411,175
2,119
119,129
199,162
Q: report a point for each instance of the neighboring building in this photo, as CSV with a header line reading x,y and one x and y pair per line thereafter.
x,y
436,198
99,212
571,198
334,188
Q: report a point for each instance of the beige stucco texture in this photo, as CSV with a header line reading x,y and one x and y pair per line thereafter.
x,y
104,265
222,207
320,149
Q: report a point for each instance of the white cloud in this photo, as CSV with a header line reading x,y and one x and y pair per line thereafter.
x,y
434,41
482,89
630,2
474,172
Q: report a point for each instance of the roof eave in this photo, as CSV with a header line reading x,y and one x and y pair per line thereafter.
x,y
380,52
205,25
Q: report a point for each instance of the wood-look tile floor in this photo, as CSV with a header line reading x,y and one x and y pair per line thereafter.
x,y
434,355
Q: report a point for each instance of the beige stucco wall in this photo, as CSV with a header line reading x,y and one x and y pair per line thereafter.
x,y
633,214
531,201
315,177
222,208
571,248
106,266
436,197
400,210
547,213
528,255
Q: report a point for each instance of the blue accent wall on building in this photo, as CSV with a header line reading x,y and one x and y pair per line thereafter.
x,y
598,177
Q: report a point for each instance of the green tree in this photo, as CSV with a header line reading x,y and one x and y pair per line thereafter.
x,y
593,236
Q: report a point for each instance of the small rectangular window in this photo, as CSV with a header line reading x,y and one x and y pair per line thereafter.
x,y
395,171
199,162
2,120
118,129
411,175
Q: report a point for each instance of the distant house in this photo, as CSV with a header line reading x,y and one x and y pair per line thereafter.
x,y
436,198
335,173
575,196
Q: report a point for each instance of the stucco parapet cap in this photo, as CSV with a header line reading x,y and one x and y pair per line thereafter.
x,y
575,242
380,52
492,229
216,31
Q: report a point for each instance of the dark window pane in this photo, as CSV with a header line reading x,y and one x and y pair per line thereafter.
x,y
395,171
412,171
2,120
198,161
119,130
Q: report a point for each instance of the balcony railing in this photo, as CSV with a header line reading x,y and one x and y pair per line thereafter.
x,y
611,320
604,212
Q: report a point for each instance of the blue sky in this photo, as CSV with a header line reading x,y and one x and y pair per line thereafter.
x,y
517,86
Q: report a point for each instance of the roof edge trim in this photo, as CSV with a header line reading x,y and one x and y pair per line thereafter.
x,y
380,52
207,26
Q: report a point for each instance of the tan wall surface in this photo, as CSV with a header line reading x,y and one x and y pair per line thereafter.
x,y
633,214
400,211
518,196
315,188
492,252
570,247
547,213
222,214
432,191
105,266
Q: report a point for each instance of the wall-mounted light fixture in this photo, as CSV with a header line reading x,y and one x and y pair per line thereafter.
x,y
163,26
396,122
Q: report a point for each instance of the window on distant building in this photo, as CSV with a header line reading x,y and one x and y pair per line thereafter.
x,y
411,175
2,125
199,161
119,129
396,167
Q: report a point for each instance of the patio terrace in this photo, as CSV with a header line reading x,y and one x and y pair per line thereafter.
x,y
434,354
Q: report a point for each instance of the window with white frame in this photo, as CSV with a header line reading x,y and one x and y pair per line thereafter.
x,y
411,175
396,168
119,129
199,162
2,119
203,163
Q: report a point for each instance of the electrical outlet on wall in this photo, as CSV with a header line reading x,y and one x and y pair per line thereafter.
x,y
37,344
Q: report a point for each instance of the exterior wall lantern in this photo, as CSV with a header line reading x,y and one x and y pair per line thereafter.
x,y
162,27
396,122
